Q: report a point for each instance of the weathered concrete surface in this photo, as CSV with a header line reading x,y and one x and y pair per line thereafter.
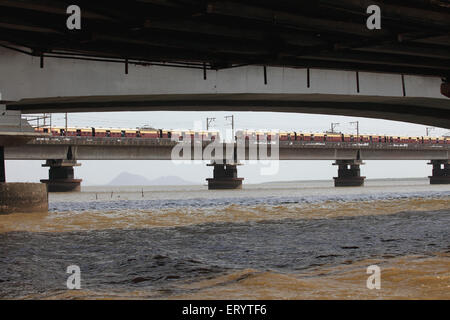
x,y
23,198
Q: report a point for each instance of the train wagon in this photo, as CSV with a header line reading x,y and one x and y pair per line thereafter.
x,y
333,137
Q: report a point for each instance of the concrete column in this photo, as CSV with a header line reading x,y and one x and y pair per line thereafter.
x,y
61,176
23,198
445,88
2,164
441,172
224,177
349,173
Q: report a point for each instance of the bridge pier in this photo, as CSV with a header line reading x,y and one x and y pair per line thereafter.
x,y
61,176
441,172
445,88
20,197
2,165
349,173
224,177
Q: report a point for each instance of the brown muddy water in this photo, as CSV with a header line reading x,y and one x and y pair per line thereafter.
x,y
303,240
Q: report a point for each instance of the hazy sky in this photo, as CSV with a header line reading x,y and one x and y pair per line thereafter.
x,y
102,172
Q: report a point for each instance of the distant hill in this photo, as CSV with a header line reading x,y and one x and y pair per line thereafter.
x,y
128,179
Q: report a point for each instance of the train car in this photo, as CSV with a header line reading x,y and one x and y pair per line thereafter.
x,y
164,134
100,133
211,135
149,134
301,136
348,138
319,137
214,135
440,140
176,135
273,136
333,137
284,136
364,138
131,133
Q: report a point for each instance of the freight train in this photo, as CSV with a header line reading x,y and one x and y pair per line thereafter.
x,y
179,135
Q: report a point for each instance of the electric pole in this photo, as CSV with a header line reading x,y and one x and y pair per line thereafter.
x,y
333,126
232,123
429,129
209,122
357,128
65,132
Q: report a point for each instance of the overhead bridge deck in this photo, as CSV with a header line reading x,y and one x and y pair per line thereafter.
x,y
427,111
81,148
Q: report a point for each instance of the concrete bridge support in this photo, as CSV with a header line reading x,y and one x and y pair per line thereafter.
x,y
2,165
445,87
61,176
224,177
441,172
349,173
18,197
21,197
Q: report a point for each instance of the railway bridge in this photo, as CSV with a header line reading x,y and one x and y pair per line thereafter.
x,y
62,153
275,56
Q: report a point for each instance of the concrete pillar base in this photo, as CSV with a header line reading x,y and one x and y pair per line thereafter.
x,y
73,185
441,172
349,173
61,176
23,198
224,177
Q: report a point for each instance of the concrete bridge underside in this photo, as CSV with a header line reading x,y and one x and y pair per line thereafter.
x,y
427,111
61,85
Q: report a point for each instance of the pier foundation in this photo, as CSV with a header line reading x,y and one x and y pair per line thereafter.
x,y
224,177
23,198
441,172
20,197
61,176
349,173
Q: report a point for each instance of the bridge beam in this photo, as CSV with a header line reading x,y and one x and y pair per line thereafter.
x,y
441,172
349,173
224,176
61,176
